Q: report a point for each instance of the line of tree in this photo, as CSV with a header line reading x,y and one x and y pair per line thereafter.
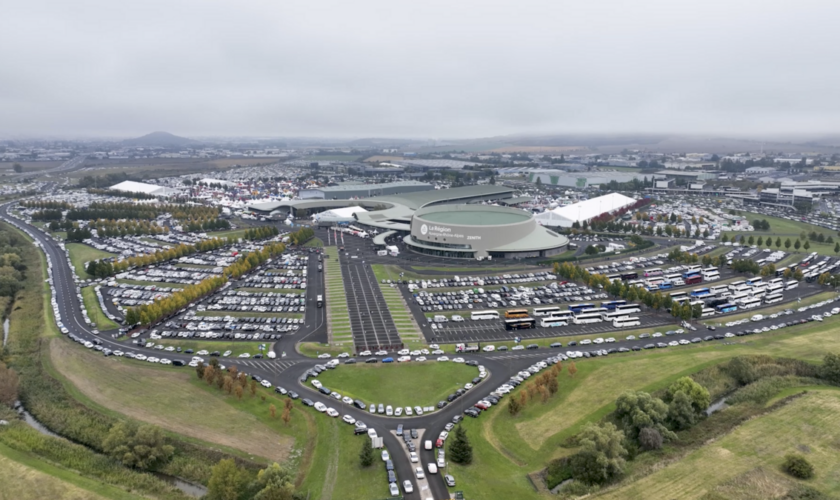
x,y
46,204
761,225
206,225
301,236
573,272
160,256
119,210
121,194
78,234
64,224
47,215
148,314
261,232
542,387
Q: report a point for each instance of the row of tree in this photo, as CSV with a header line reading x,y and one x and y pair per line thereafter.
x,y
301,236
119,210
47,215
261,232
542,387
206,225
46,204
121,194
160,256
148,314
78,234
796,244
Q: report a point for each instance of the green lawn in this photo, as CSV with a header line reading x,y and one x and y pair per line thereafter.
x,y
231,233
237,348
399,384
779,226
94,310
314,243
313,349
81,253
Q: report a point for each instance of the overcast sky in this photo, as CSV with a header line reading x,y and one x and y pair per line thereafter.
x,y
430,68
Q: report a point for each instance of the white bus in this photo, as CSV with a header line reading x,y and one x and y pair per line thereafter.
x,y
750,303
707,311
561,316
711,276
775,281
740,289
479,315
736,284
609,316
776,287
629,308
546,311
626,322
552,322
679,300
587,317
736,297
717,290
759,292
773,298
790,285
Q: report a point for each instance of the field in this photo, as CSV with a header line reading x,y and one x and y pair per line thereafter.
x,y
338,322
788,229
7,167
81,253
232,233
237,348
811,422
152,168
24,477
508,448
397,383
95,310
314,243
164,397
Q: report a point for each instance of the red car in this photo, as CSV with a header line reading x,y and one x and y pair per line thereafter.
x,y
439,443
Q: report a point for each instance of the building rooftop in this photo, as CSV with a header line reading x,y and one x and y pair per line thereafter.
x,y
476,217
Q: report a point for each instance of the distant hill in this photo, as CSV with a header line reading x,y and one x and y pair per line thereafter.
x,y
162,139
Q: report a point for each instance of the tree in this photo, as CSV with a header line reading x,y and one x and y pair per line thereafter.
x,y
237,391
286,416
681,413
572,369
275,483
787,244
460,451
366,455
830,369
9,382
227,481
759,241
699,395
837,248
637,410
741,370
807,245
778,242
797,466
797,275
650,439
272,410
18,167
140,447
513,406
797,245
602,454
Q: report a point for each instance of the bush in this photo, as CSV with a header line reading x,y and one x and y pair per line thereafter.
x,y
650,439
557,471
797,466
764,389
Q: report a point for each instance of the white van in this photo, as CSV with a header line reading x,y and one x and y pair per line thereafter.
x,y
428,444
440,319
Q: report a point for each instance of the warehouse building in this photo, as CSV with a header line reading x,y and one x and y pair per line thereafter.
x,y
350,191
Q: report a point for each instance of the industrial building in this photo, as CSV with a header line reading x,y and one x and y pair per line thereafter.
x,y
584,179
142,187
583,211
350,191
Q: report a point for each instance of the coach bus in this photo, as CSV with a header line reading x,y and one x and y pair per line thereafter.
x,y
611,315
614,277
626,321
561,315
754,281
790,285
611,305
516,313
707,311
546,311
629,276
480,315
552,321
576,308
736,284
587,317
629,308
750,302
677,295
650,273
520,323
666,285
726,308
700,292
693,280
773,298
781,271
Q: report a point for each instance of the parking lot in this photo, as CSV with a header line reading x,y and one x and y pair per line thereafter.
x,y
371,323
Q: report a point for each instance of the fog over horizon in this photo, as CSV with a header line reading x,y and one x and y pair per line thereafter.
x,y
435,69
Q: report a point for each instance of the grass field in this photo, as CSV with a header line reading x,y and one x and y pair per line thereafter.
x,y
237,348
399,384
81,253
94,310
338,322
232,233
164,397
313,349
24,477
507,448
788,229
314,243
811,422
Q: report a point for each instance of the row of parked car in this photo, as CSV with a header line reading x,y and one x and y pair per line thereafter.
x,y
505,297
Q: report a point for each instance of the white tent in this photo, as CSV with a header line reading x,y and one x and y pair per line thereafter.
x,y
142,187
583,211
338,214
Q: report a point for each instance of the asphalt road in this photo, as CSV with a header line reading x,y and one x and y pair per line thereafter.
x,y
287,371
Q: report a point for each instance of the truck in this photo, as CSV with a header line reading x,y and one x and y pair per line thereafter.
x,y
467,347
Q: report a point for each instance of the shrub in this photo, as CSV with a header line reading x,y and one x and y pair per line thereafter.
x,y
798,466
557,471
650,439
763,390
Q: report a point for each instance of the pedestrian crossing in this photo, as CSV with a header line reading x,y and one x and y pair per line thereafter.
x,y
270,366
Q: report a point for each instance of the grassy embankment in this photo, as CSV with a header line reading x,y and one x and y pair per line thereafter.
x,y
94,310
399,384
80,254
784,229
236,348
314,242
508,448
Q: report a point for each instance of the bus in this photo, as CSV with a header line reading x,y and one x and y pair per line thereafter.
x,y
561,316
736,284
693,280
672,277
773,298
611,305
759,292
711,276
516,313
552,322
576,308
676,295
626,321
520,323
710,269
761,262
629,276
717,290
546,311
609,316
707,311
666,285
775,281
751,302
598,310
653,272
726,308
655,281
741,289
700,292
583,319
781,271
694,268
320,300
629,308
481,315
754,281
614,277
680,300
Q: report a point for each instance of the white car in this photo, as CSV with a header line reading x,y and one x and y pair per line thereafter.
x,y
403,359
316,383
350,420
389,411
408,411
599,340
434,346
265,383
418,473
414,459
437,352
364,353
381,353
420,359
343,355
443,358
203,352
518,348
432,468
468,386
398,411
320,407
488,348
458,360
331,412
385,456
244,355
347,400
403,352
324,356
408,487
